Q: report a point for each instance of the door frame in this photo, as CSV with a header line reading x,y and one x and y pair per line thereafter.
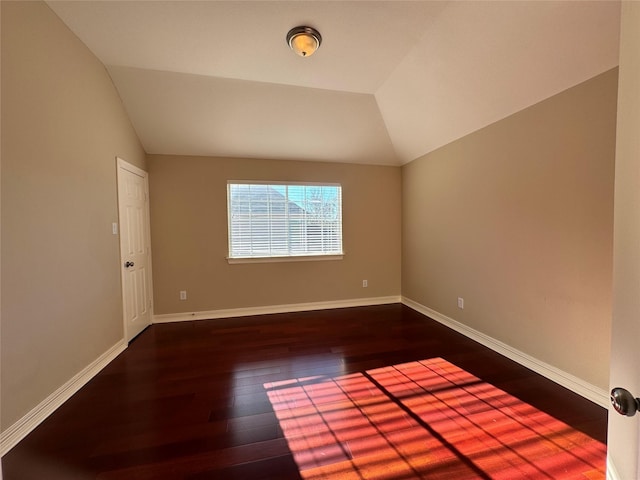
x,y
122,164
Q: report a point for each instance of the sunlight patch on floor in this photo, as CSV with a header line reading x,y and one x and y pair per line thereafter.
x,y
425,419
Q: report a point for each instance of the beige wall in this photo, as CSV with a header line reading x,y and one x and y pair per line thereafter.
x,y
189,236
517,219
62,126
624,433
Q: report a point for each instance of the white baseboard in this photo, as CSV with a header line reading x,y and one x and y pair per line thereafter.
x,y
16,432
573,383
295,307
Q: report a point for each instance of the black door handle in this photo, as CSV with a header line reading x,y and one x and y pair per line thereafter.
x,y
128,264
624,402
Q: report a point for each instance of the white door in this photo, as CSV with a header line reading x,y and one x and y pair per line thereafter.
x,y
135,248
623,439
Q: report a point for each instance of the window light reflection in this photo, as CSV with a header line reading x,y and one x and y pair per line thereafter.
x,y
426,419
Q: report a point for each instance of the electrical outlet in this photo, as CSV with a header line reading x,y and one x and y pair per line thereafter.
x,y
365,283
183,294
460,302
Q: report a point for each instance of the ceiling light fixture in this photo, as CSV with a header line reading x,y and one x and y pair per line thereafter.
x,y
304,40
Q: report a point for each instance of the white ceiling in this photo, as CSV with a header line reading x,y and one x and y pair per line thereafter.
x,y
392,80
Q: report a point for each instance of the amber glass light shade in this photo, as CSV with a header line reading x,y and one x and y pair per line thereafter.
x,y
304,40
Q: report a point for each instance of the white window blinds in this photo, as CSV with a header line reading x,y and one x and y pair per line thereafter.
x,y
284,220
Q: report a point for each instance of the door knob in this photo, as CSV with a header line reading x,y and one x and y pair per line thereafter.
x,y
128,264
624,402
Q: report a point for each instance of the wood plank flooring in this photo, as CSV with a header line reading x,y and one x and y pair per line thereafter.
x,y
372,392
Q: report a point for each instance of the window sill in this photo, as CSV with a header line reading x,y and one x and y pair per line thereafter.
x,y
295,258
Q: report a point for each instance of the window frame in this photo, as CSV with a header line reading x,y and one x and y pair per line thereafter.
x,y
296,257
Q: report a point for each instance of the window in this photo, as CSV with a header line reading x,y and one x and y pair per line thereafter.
x,y
276,220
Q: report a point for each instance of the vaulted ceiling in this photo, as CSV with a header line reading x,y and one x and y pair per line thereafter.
x,y
393,80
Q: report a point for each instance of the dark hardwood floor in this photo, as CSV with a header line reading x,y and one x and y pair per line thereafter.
x,y
372,392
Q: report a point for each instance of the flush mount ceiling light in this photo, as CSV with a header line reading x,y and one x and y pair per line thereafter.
x,y
304,40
